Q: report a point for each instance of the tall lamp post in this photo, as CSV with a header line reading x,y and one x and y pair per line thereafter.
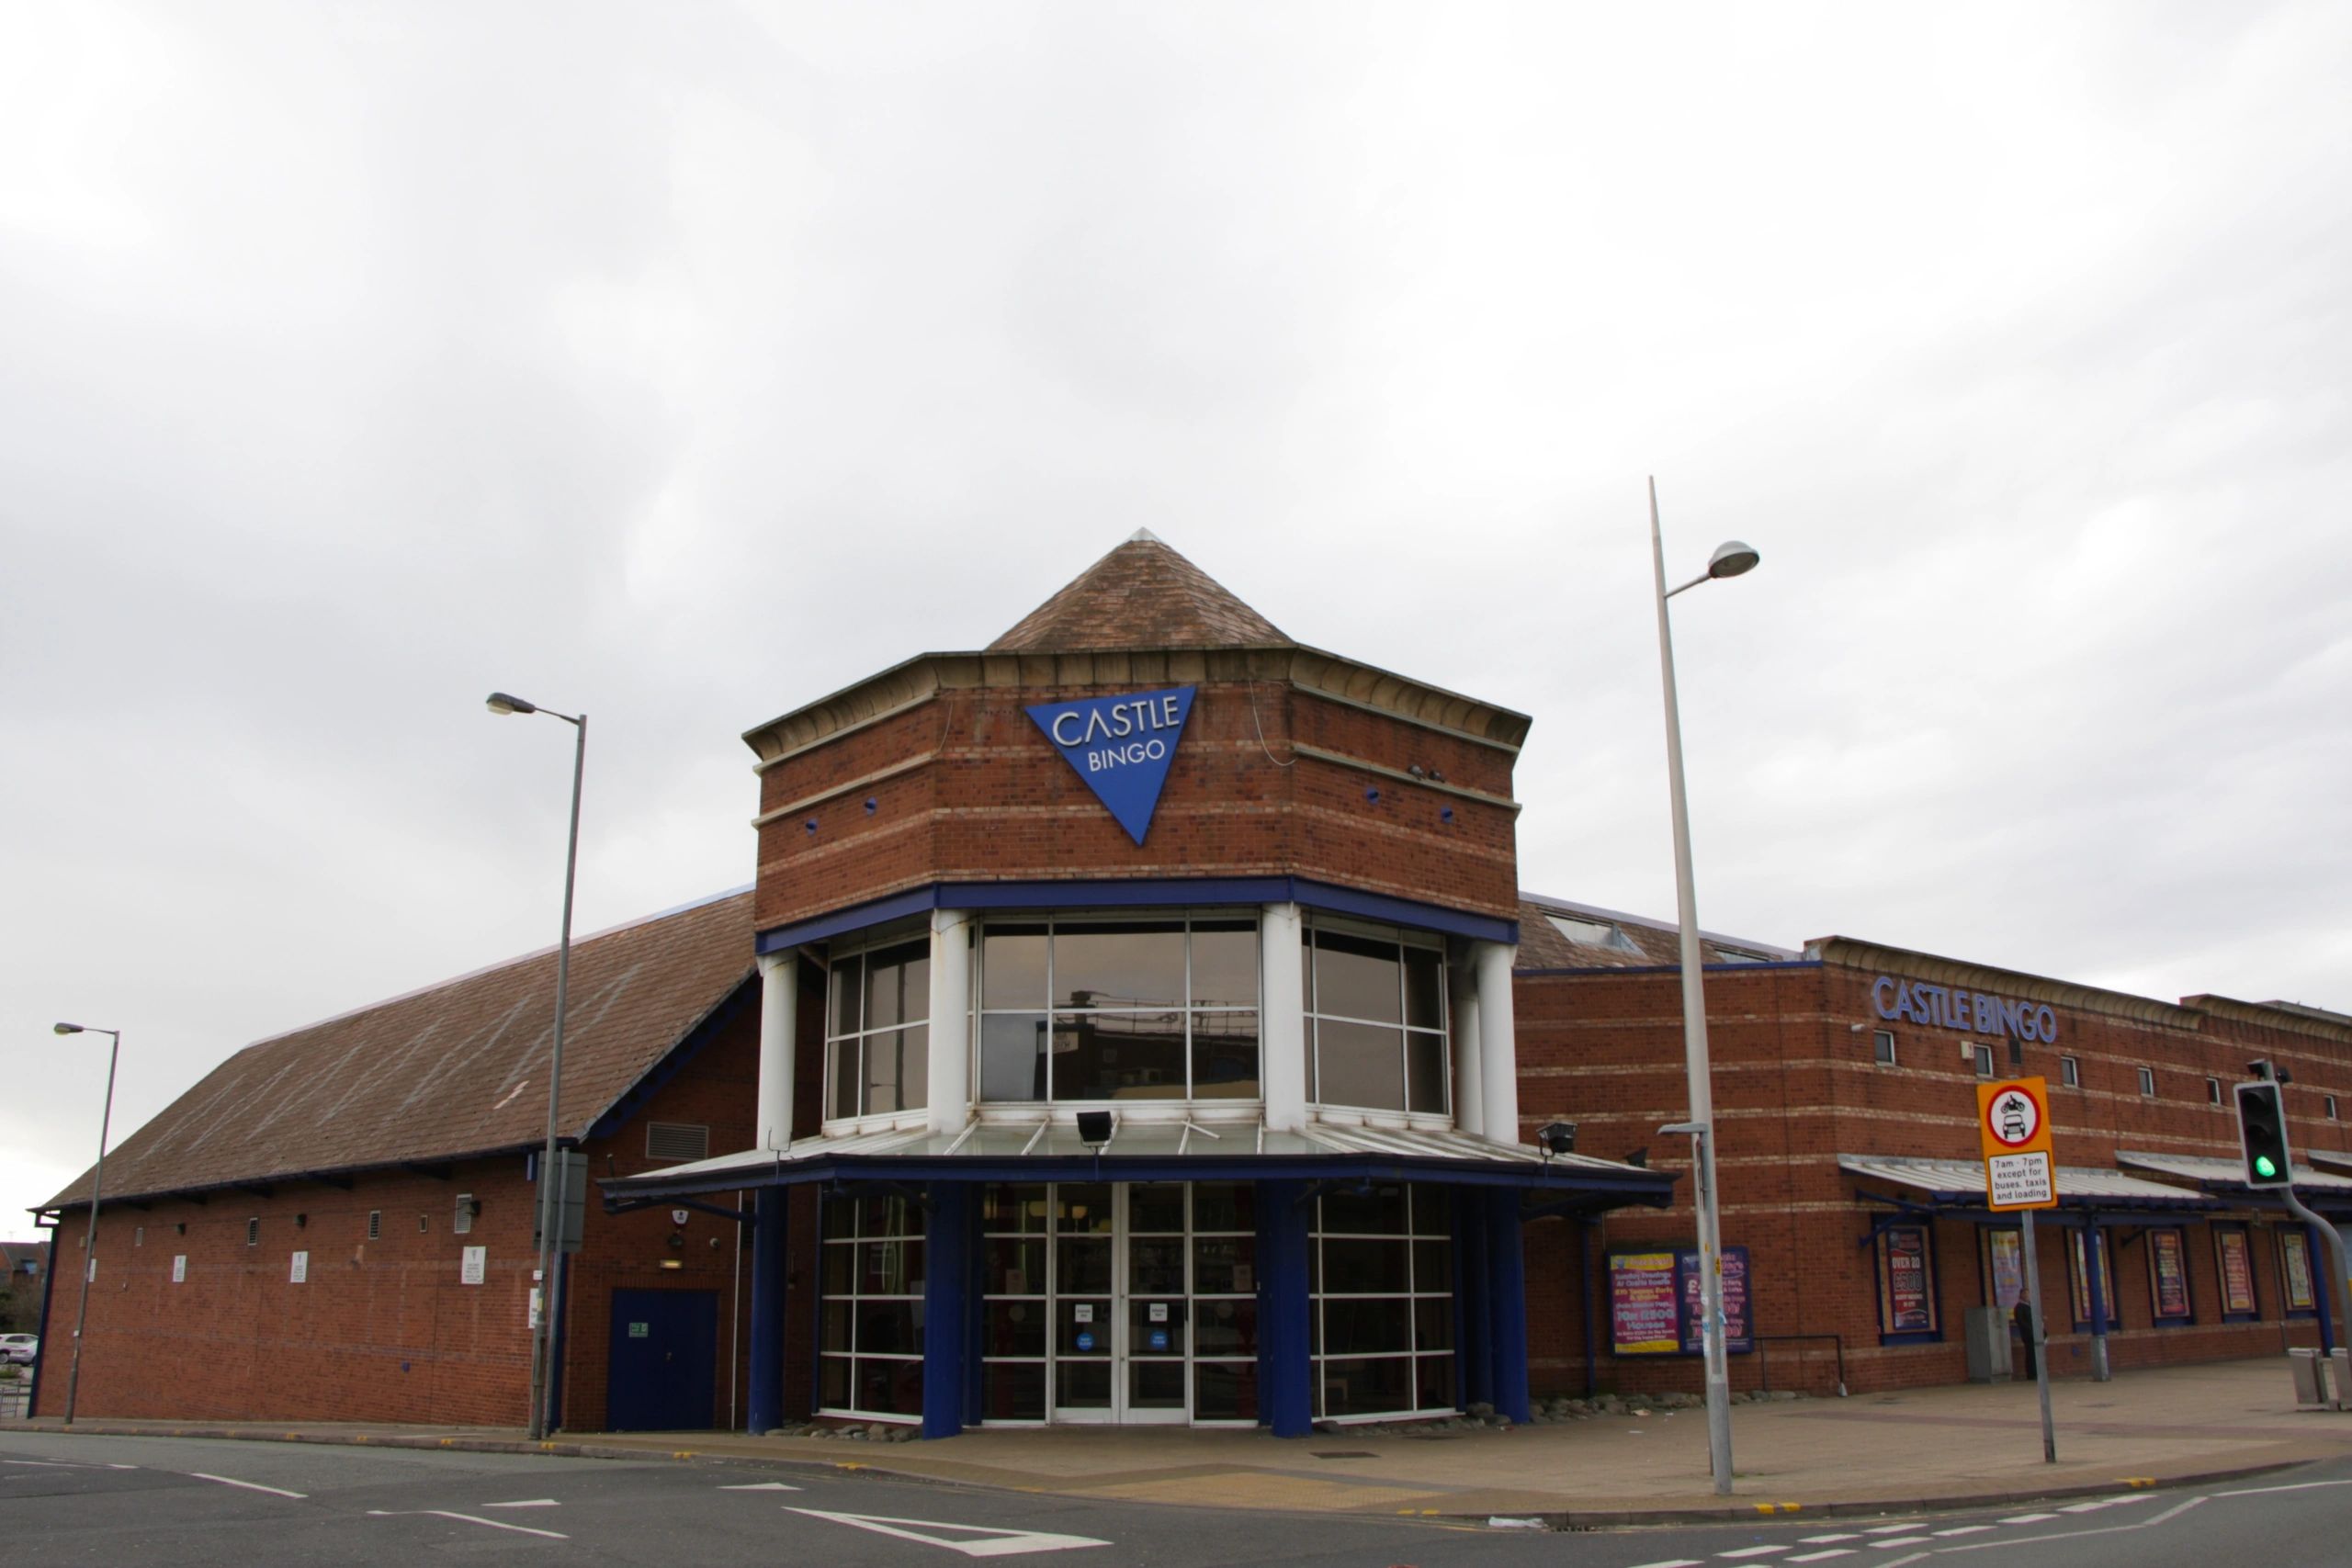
x,y
1729,560
543,1331
97,1189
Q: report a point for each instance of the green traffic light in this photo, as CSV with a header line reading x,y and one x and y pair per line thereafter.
x,y
2264,1166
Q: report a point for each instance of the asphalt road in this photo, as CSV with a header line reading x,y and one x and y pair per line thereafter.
x,y
166,1502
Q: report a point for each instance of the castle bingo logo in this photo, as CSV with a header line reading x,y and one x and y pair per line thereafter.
x,y
1121,746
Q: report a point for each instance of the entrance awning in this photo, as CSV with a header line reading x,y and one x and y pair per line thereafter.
x,y
2225,1179
1180,1151
1959,1184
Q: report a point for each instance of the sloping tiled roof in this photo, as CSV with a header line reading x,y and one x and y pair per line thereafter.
x,y
456,1070
1634,942
1142,594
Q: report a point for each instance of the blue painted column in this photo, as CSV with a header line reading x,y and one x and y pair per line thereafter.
x,y
1507,1301
946,1307
1474,1350
1286,1371
764,1400
2093,1245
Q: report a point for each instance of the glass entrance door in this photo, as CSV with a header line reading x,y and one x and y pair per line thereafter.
x,y
1127,1303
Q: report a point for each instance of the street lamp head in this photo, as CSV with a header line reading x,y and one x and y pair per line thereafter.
x,y
1730,558
69,1029
501,702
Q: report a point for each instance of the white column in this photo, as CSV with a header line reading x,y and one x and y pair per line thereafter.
x,y
1497,1041
951,1020
1469,1093
1281,1020
779,1032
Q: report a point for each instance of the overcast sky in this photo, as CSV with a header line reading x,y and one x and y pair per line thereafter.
x,y
682,364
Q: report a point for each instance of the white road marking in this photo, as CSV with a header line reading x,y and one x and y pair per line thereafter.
x,y
468,1518
1902,1541
989,1540
248,1485
2013,1541
763,1487
65,1464
530,1503
1672,1563
1891,1530
1824,1556
1826,1539
2297,1486
1753,1552
2027,1519
1965,1529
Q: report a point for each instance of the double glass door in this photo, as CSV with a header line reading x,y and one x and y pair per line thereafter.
x,y
1118,1301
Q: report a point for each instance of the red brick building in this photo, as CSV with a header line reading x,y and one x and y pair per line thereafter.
x,y
1139,1020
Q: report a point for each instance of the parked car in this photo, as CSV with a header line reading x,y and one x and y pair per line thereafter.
x,y
19,1347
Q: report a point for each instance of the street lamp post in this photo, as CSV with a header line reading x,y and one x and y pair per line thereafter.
x,y
550,1215
97,1189
1729,560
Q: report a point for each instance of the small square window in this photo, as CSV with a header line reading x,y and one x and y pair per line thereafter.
x,y
1984,1061
2331,1107
253,1232
2213,1091
375,1224
2070,1072
2017,1052
1883,1047
2148,1081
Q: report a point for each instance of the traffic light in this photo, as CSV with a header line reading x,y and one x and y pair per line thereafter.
x,y
2262,1135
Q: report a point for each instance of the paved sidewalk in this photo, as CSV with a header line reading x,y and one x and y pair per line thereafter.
x,y
1942,1446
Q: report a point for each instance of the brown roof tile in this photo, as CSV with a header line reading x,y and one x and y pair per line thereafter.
x,y
456,1070
1142,594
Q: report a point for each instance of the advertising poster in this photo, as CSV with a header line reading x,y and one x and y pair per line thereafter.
x,y
2236,1268
1642,1300
1738,1334
1906,1290
2295,1271
2168,1276
2006,1249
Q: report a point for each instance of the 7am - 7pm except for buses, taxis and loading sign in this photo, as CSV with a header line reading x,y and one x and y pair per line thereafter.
x,y
2013,1126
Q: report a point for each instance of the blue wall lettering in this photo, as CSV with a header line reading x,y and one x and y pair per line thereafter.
x,y
1971,1013
1121,746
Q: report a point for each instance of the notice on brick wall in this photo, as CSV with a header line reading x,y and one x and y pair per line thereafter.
x,y
476,1264
179,1270
301,1270
1643,1297
1738,1336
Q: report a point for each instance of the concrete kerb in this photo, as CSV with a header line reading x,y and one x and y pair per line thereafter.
x,y
1567,1520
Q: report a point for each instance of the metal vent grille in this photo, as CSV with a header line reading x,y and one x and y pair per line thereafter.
x,y
676,1140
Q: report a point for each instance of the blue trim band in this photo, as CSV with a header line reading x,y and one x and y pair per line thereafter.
x,y
1141,894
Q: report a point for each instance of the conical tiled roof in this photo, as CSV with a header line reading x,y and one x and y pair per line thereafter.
x,y
1142,594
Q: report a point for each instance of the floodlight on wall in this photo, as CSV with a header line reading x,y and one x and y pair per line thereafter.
x,y
1094,1129
1639,1159
1557,1138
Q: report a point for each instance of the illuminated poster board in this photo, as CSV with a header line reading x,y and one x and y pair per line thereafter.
x,y
2005,1269
2233,1262
1906,1280
2078,1281
2295,1271
1643,1293
2168,1276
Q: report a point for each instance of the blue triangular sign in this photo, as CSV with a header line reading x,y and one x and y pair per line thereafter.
x,y
1121,746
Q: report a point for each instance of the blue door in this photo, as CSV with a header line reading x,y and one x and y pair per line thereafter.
x,y
663,1376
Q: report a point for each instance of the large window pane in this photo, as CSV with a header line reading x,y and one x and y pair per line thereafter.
x,y
1012,1267
847,978
1014,1392
1225,1056
1014,1328
1383,1325
898,985
1013,1056
1363,1267
1008,1206
1225,1328
1424,988
888,1328
914,1067
1379,1212
889,1388
1119,1056
1359,1064
1225,1265
1155,1208
1355,978
1223,1206
842,1072
1082,1207
1225,963
1361,1386
1135,964
1012,967
1424,1072
1225,1390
